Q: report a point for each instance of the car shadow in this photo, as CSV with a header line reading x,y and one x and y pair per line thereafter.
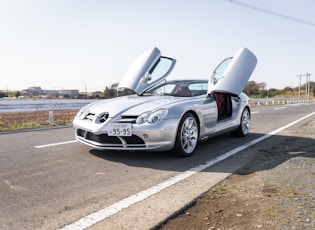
x,y
263,155
277,151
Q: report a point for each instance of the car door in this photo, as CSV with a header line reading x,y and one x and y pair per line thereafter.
x,y
232,74
147,70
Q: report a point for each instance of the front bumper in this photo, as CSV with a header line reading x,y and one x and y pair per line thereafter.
x,y
158,137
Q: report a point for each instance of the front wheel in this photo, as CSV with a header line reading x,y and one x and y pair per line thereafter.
x,y
243,128
187,136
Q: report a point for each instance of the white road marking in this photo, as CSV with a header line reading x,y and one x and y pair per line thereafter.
x,y
102,214
280,108
54,144
295,105
254,112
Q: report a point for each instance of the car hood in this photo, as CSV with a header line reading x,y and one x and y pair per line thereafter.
x,y
132,105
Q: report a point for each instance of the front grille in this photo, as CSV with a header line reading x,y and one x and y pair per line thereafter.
x,y
134,140
104,139
80,132
127,119
91,116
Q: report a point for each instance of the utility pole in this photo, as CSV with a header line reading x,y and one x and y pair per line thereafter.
x,y
306,86
299,96
308,83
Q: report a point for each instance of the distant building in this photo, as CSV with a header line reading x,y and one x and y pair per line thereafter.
x,y
97,94
69,93
50,93
33,91
38,92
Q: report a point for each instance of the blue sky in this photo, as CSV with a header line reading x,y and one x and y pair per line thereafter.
x,y
73,44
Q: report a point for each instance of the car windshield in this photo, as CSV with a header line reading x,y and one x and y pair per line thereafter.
x,y
179,89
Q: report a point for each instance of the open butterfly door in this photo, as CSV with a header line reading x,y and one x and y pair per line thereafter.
x,y
232,74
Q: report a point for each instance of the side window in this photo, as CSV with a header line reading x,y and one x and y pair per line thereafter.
x,y
164,89
161,68
218,72
198,88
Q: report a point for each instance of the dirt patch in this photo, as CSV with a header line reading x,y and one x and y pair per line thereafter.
x,y
38,119
274,191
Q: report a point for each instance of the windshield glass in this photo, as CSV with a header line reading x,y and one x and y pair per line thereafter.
x,y
160,69
179,89
164,89
218,72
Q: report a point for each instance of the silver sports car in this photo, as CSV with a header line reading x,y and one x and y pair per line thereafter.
x,y
169,115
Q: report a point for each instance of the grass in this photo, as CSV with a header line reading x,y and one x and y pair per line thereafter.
x,y
33,120
218,192
27,125
270,214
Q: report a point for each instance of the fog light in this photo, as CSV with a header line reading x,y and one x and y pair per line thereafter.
x,y
145,136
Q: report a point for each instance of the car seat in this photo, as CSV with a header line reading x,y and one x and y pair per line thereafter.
x,y
182,91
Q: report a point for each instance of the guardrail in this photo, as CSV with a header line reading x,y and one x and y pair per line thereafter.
x,y
76,104
276,101
7,106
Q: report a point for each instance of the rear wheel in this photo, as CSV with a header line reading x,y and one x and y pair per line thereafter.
x,y
187,136
243,129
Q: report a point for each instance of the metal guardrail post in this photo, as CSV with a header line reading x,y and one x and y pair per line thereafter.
x,y
51,117
277,101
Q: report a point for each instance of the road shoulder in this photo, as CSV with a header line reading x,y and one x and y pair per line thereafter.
x,y
276,188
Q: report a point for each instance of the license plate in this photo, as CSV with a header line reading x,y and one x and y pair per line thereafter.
x,y
119,129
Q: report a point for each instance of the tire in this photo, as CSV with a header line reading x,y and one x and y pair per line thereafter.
x,y
243,128
187,136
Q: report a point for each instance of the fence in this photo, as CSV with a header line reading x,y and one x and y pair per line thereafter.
x,y
276,101
7,106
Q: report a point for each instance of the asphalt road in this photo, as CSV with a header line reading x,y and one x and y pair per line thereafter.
x,y
50,181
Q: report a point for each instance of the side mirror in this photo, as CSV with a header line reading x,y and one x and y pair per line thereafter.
x,y
147,78
212,78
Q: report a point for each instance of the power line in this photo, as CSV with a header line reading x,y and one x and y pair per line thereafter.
x,y
252,7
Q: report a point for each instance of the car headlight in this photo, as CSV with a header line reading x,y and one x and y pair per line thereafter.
x,y
143,118
152,118
157,116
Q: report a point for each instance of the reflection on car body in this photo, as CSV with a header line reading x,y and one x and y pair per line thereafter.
x,y
169,115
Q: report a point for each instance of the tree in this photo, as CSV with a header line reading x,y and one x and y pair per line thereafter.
x,y
17,94
272,92
108,93
251,88
2,94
